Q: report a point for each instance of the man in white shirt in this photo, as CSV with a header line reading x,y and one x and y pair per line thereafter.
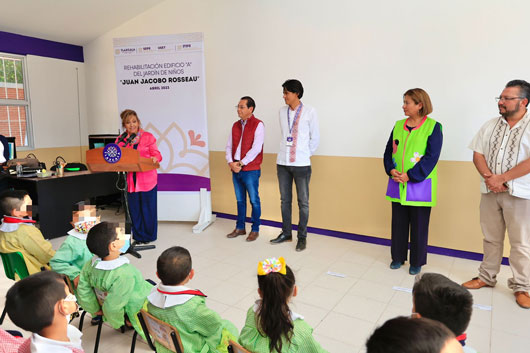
x,y
502,157
244,154
299,141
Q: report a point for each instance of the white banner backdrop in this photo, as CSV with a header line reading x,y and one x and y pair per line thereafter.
x,y
162,79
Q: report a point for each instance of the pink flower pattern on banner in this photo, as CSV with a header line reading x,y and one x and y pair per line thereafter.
x,y
195,140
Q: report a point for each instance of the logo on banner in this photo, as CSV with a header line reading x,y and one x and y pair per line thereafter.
x,y
125,51
112,153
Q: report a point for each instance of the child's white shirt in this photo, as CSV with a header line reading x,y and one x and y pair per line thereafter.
x,y
41,344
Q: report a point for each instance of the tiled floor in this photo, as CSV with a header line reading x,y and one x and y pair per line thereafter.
x,y
343,310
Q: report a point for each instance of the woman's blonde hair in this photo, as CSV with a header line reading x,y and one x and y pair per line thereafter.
x,y
418,95
126,114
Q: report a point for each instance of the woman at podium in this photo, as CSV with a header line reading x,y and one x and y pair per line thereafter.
x,y
141,186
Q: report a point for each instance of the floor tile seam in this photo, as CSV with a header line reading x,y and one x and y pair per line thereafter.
x,y
329,310
508,333
396,293
334,339
371,281
347,290
373,324
338,301
387,306
356,317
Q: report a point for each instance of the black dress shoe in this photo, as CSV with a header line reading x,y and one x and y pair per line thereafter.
x,y
301,244
281,238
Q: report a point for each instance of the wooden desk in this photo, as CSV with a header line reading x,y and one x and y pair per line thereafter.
x,y
56,196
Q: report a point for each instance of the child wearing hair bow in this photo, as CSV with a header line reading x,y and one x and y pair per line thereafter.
x,y
271,326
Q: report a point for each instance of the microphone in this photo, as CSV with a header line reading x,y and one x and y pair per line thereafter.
x,y
122,137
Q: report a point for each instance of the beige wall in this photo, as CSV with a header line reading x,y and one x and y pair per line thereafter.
x,y
348,194
48,155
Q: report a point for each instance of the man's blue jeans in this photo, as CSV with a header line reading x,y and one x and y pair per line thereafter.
x,y
247,181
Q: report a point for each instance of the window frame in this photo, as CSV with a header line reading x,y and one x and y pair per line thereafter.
x,y
22,103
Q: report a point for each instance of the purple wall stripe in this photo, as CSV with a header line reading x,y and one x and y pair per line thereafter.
x,y
23,45
372,240
182,182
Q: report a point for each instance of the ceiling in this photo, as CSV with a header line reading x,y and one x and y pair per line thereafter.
x,y
68,21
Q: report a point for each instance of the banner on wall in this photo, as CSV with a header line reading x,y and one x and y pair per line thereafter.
x,y
162,79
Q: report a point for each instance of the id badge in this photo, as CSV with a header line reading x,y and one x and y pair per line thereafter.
x,y
289,141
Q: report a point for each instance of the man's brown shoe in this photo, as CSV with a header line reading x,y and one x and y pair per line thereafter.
x,y
475,283
236,233
252,236
523,299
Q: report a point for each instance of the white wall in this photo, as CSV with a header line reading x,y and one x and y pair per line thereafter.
x,y
355,59
57,91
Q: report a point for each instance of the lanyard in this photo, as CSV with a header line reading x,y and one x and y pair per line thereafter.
x,y
296,116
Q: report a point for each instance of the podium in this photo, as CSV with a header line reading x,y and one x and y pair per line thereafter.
x,y
113,158
129,160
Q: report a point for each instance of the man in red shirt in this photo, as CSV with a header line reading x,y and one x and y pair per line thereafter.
x,y
244,154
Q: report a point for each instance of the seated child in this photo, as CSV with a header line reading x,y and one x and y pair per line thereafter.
x,y
18,231
438,298
409,335
42,304
201,329
109,278
271,326
73,253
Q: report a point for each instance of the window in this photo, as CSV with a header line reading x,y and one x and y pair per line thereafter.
x,y
14,101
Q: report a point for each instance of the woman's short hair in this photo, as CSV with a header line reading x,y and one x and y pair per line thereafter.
x,y
124,115
418,95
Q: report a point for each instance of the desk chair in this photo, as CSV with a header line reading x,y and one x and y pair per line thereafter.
x,y
13,264
100,295
234,347
160,331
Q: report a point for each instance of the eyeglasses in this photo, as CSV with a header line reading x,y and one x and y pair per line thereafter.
x,y
500,99
240,107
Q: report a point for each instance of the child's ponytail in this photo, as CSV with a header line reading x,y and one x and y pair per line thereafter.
x,y
274,315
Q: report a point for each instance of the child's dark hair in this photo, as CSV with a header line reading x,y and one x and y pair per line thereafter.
x,y
438,298
408,335
81,206
274,315
173,265
100,236
30,302
10,200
